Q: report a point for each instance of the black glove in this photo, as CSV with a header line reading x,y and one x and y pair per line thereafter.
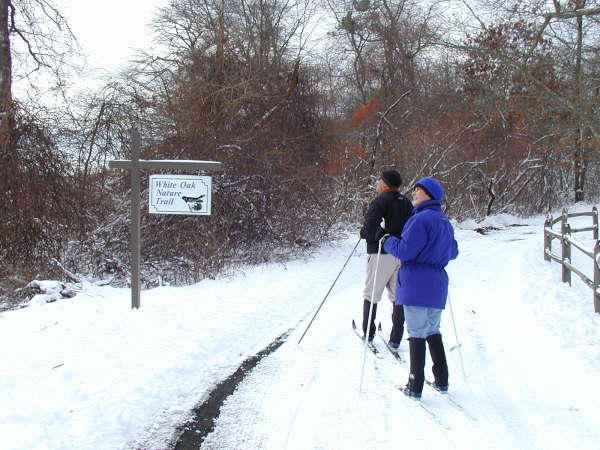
x,y
381,232
383,239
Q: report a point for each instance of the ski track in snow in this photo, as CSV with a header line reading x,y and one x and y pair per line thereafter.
x,y
90,373
319,380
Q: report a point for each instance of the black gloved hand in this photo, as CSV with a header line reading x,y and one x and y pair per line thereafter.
x,y
383,239
381,232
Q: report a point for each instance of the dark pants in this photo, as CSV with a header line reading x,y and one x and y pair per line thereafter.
x,y
397,324
366,308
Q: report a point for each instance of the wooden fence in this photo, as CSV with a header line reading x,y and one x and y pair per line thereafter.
x,y
567,243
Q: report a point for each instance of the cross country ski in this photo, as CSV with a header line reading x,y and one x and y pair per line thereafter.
x,y
450,401
370,344
415,403
385,337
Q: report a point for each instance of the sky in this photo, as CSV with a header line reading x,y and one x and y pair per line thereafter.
x,y
89,372
108,31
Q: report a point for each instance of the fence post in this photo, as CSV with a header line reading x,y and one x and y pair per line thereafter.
x,y
547,238
596,277
595,221
565,230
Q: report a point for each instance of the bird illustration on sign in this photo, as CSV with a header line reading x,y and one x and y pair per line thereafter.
x,y
194,203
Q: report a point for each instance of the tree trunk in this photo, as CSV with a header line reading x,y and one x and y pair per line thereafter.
x,y
8,160
6,112
579,161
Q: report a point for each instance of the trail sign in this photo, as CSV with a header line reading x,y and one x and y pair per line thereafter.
x,y
135,164
179,194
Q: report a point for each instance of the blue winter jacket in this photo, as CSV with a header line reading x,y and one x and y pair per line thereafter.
x,y
425,248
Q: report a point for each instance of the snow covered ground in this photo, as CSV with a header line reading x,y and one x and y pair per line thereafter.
x,y
90,373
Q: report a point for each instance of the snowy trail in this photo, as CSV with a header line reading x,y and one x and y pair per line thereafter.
x,y
512,381
497,318
519,387
90,373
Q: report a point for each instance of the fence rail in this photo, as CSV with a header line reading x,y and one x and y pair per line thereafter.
x,y
567,243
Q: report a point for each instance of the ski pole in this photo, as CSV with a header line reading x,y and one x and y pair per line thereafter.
x,y
370,313
326,295
456,335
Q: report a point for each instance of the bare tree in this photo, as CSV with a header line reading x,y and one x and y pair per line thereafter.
x,y
571,30
37,202
386,49
232,90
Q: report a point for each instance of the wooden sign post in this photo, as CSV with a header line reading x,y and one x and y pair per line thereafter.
x,y
135,165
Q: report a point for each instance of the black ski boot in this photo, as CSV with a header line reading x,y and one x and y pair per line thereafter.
x,y
440,364
416,378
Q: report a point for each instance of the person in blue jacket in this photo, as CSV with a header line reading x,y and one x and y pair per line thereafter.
x,y
426,246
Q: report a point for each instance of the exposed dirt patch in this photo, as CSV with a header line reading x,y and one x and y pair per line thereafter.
x,y
485,230
195,431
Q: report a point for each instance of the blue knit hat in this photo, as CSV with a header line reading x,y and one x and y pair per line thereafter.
x,y
431,188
